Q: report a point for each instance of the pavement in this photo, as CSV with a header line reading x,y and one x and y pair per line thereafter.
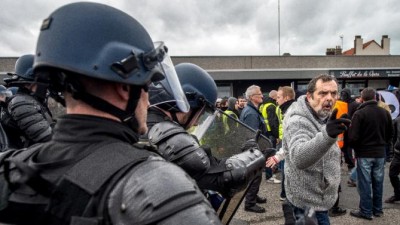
x,y
349,199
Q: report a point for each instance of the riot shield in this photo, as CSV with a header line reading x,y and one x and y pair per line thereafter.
x,y
227,136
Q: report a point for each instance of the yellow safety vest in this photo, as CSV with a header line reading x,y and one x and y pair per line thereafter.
x,y
263,111
279,114
225,119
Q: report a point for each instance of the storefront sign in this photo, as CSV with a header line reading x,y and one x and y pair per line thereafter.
x,y
354,74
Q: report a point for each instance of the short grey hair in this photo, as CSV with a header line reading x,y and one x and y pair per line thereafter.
x,y
251,91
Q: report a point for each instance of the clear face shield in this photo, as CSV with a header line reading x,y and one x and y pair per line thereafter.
x,y
169,90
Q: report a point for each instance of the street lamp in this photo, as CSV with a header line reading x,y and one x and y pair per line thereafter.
x,y
341,38
279,27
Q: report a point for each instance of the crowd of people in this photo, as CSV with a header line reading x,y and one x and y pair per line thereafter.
x,y
315,134
123,152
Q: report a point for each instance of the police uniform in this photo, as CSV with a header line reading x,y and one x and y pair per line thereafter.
x,y
138,197
26,121
176,145
90,172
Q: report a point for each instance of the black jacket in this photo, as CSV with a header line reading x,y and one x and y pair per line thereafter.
x,y
95,162
396,136
285,106
370,131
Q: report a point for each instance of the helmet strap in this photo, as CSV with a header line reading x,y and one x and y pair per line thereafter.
x,y
174,117
189,121
41,91
126,116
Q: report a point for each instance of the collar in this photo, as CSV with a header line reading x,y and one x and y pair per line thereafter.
x,y
86,128
286,105
367,103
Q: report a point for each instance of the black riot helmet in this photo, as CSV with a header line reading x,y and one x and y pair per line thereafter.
x,y
198,86
101,42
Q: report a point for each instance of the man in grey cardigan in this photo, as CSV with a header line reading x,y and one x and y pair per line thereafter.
x,y
312,165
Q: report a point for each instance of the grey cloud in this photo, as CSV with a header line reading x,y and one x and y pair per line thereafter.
x,y
220,27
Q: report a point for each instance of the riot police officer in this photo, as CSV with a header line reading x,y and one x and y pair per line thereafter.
x,y
167,130
27,119
4,95
91,172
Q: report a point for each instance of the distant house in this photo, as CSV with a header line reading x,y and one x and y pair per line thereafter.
x,y
370,47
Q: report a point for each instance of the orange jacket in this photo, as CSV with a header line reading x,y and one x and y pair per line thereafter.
x,y
342,109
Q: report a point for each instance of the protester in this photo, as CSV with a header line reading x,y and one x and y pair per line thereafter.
x,y
252,117
285,98
370,131
394,169
312,164
242,103
231,111
268,111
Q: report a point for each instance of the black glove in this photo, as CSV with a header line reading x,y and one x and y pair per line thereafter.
x,y
334,126
249,144
268,152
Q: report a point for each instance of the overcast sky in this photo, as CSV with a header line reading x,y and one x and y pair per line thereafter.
x,y
226,27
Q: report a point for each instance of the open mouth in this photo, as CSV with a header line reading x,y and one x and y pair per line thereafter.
x,y
327,107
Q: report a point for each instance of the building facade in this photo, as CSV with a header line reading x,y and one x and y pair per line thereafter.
x,y
233,74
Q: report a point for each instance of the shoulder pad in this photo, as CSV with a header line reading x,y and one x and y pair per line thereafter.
x,y
155,191
27,112
22,99
22,106
181,148
163,130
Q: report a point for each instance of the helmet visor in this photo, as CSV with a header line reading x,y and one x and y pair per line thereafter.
x,y
170,87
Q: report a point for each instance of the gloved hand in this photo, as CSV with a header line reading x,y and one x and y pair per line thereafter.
x,y
334,126
268,152
249,144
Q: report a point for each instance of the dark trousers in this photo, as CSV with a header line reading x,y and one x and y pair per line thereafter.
x,y
394,172
251,195
283,191
388,153
336,205
348,156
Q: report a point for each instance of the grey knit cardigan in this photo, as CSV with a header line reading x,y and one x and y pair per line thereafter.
x,y
312,165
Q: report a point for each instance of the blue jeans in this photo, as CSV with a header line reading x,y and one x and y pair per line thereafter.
x,y
370,174
322,216
353,175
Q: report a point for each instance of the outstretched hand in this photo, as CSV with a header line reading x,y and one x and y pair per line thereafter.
x,y
271,162
334,126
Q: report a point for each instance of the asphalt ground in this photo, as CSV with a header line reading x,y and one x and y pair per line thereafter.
x,y
349,199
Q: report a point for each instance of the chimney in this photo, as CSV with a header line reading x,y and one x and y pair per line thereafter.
x,y
385,44
358,44
338,50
